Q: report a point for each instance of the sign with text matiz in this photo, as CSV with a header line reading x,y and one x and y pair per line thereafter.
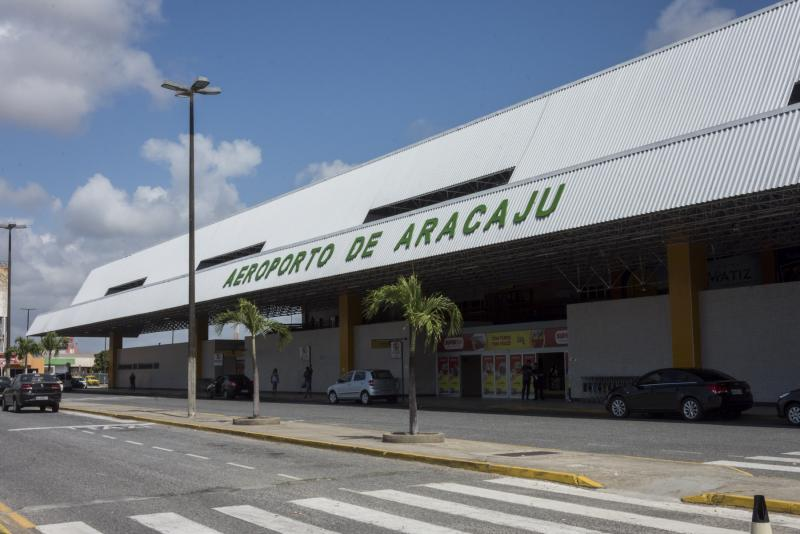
x,y
504,215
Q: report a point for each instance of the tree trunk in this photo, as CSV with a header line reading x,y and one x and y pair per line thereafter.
x,y
256,390
412,385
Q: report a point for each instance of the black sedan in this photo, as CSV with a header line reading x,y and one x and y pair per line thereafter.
x,y
230,386
689,392
32,390
5,381
789,406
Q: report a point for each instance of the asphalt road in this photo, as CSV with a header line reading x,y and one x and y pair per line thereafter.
x,y
76,474
664,438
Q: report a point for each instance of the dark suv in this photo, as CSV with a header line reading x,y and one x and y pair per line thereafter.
x,y
32,390
689,392
229,386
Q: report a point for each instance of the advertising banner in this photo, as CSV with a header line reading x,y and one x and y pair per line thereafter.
x,y
527,339
443,375
455,375
516,374
488,375
501,375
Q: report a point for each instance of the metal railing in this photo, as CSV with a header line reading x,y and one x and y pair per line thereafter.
x,y
596,388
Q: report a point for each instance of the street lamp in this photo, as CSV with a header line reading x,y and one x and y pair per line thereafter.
x,y
200,86
9,226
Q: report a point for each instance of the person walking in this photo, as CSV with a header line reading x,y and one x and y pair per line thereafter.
x,y
527,374
274,379
132,380
538,382
307,376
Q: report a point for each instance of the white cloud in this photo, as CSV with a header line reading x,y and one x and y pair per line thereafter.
x,y
683,18
314,172
30,197
60,60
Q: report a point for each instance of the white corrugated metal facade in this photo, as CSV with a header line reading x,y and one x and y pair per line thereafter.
x,y
701,120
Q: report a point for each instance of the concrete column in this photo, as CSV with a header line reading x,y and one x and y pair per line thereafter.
x,y
687,269
202,335
114,346
349,316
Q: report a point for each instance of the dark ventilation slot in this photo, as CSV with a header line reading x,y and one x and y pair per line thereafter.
x,y
794,98
228,256
126,286
435,197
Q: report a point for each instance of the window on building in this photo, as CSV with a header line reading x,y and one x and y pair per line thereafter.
x,y
794,98
435,197
126,286
228,256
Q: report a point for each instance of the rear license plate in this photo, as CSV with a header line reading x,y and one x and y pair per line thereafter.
x,y
41,397
736,392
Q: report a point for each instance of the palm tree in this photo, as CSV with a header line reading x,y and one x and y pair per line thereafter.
x,y
428,316
52,343
26,346
248,315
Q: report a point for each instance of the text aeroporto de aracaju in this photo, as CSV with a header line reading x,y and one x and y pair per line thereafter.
x,y
430,232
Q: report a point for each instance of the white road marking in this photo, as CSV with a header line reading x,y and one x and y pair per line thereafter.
x,y
87,431
172,523
290,477
162,449
582,510
109,437
75,527
678,451
373,517
197,456
133,442
530,524
270,521
668,506
101,417
76,427
240,465
775,459
753,465
792,453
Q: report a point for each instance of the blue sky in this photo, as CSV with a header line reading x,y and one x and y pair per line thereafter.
x,y
90,149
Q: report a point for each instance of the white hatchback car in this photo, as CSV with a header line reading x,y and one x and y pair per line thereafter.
x,y
364,385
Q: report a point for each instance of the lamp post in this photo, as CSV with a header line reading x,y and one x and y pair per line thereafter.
x,y
10,227
200,86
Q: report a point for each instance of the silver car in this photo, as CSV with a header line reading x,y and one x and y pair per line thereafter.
x,y
364,385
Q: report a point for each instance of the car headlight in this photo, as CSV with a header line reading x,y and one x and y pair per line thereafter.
x,y
783,396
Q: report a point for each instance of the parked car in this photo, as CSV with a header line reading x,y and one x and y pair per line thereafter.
x,y
5,381
229,386
78,382
789,406
364,385
32,390
92,380
689,392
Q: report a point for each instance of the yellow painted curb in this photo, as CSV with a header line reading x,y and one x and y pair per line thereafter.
x,y
743,501
473,465
17,518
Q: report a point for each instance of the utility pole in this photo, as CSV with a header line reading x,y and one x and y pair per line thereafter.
x,y
10,227
28,319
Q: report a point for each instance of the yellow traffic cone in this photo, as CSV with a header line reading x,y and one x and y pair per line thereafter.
x,y
760,524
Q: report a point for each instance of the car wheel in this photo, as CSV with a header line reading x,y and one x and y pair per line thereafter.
x,y
5,407
691,409
17,406
55,408
364,398
333,398
619,408
793,413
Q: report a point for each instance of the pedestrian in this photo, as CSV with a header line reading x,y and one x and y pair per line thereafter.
x,y
132,380
274,378
538,382
527,374
307,375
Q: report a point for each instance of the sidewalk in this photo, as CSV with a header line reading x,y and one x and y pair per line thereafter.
x,y
632,475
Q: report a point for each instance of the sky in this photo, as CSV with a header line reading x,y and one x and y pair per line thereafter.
x,y
93,152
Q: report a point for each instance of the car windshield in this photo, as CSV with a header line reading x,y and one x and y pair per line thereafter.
x,y
382,374
710,375
36,379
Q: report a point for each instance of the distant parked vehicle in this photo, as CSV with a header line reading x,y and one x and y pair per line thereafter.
x,y
66,381
78,382
689,392
32,390
364,385
92,380
230,386
789,406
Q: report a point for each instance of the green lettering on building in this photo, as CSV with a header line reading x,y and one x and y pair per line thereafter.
x,y
326,254
355,248
449,229
498,217
405,240
541,211
425,232
469,227
371,242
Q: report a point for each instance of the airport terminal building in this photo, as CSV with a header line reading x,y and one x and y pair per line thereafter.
x,y
645,216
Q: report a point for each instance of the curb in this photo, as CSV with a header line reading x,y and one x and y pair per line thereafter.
x,y
572,479
742,501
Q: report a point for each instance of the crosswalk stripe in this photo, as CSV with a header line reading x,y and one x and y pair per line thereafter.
x,y
172,523
775,459
373,517
74,527
754,465
271,521
711,511
618,516
481,514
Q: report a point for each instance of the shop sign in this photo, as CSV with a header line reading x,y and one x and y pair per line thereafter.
x,y
396,350
217,360
454,343
562,338
734,271
379,343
